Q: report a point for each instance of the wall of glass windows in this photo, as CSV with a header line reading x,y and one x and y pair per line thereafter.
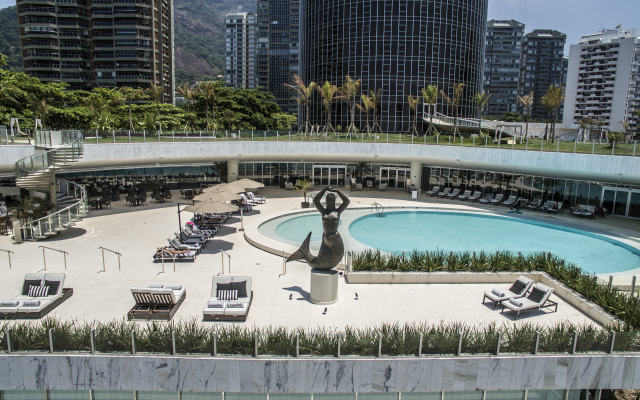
x,y
617,200
576,394
325,174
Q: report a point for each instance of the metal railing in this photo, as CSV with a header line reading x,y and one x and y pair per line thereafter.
x,y
114,252
44,259
9,253
442,119
378,207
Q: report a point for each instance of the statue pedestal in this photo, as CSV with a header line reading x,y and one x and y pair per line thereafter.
x,y
324,287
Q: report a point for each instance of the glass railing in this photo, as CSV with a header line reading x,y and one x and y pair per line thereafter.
x,y
629,149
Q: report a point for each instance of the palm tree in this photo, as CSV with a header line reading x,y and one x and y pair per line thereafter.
x,y
40,107
430,97
349,90
7,91
527,103
103,122
454,104
210,93
367,104
329,94
228,117
413,106
130,94
156,92
376,102
481,100
552,101
303,97
187,92
149,122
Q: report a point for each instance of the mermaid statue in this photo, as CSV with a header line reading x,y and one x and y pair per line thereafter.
x,y
332,248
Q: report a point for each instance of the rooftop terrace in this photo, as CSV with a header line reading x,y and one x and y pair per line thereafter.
x,y
137,232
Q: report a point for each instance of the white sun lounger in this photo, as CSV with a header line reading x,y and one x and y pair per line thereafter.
x,y
465,196
445,192
510,201
453,194
253,197
486,199
476,195
219,309
497,200
434,191
26,306
536,300
519,289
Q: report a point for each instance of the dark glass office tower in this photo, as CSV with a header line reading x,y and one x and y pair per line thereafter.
x,y
399,46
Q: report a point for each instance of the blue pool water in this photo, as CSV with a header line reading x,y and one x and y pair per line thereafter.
x,y
425,230
431,230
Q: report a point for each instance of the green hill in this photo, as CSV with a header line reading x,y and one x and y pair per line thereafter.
x,y
10,37
199,36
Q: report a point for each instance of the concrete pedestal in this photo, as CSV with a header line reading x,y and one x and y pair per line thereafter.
x,y
324,287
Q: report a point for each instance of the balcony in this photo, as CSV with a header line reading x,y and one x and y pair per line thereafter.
x,y
41,55
46,76
44,11
102,23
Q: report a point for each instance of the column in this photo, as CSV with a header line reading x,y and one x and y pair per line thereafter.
x,y
416,174
232,170
53,193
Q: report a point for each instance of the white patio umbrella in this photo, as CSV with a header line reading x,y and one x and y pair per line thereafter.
x,y
211,207
217,194
243,184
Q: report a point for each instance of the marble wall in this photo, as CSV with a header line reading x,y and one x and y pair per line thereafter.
x,y
316,375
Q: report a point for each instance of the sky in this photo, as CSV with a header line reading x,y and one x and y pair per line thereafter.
x,y
575,18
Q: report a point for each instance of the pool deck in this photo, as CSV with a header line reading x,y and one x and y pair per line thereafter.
x,y
136,233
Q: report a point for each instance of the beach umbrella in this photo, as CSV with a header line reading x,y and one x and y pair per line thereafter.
x,y
211,207
219,194
246,183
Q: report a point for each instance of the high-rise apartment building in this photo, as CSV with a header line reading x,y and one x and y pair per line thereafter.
x,y
278,48
241,35
603,82
503,53
99,43
397,47
542,65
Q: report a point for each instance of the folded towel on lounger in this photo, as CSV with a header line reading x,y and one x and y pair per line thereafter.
x,y
215,305
516,302
10,303
31,303
174,287
234,305
498,292
155,286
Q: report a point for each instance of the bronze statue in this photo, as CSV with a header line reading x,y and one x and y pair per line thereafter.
x,y
332,248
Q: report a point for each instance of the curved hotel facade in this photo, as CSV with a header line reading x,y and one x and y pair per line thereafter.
x,y
398,47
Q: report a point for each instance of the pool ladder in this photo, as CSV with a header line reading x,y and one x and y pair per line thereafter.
x,y
379,208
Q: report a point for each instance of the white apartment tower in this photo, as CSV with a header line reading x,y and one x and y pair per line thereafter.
x,y
240,50
603,80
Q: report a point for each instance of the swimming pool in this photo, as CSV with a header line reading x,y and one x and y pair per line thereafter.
x,y
399,231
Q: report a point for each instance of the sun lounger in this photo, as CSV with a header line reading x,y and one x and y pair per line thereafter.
x,y
40,294
453,194
519,289
445,192
584,211
185,239
180,246
554,210
253,197
156,302
497,200
486,199
510,201
534,205
475,197
464,196
248,201
434,191
552,207
170,254
231,298
536,300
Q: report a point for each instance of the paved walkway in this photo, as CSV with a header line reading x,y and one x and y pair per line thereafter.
x,y
104,295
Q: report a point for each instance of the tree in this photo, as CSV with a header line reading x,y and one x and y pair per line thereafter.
x,y
129,95
413,107
367,105
329,94
103,122
481,100
211,94
149,123
303,97
187,92
228,117
376,102
552,101
349,90
527,103
454,103
156,93
40,104
625,128
430,97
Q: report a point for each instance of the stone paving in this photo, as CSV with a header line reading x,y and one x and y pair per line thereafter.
x,y
105,295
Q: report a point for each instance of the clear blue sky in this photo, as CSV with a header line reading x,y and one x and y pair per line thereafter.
x,y
572,17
